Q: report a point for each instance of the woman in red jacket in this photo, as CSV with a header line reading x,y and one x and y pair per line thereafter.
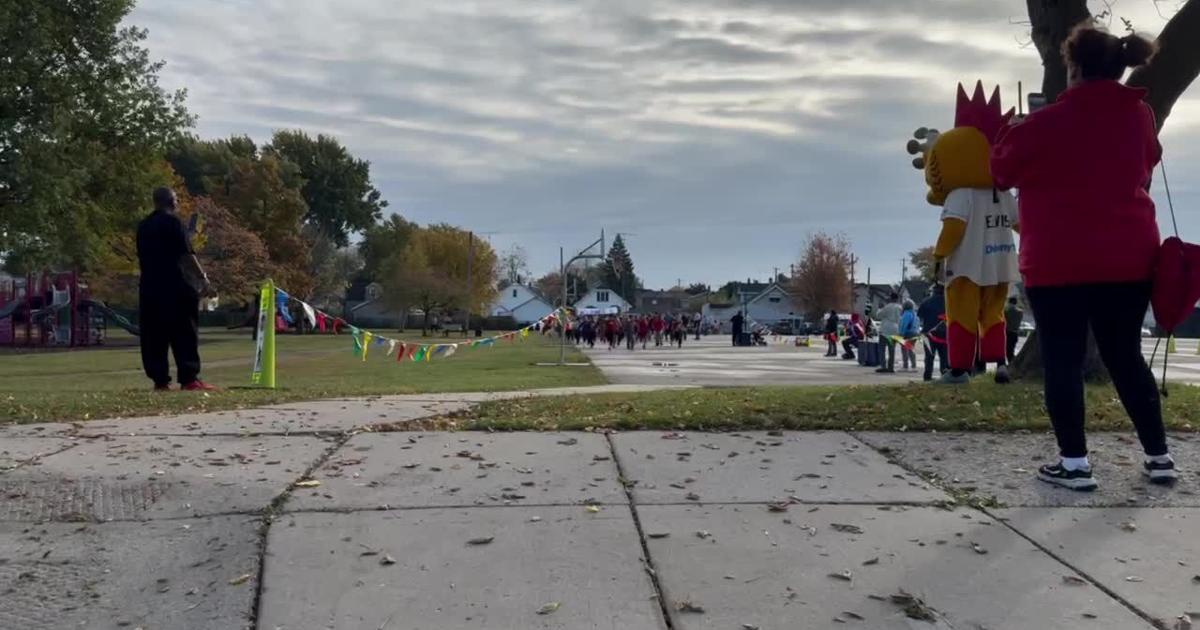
x,y
1088,241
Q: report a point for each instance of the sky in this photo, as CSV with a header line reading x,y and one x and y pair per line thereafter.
x,y
716,135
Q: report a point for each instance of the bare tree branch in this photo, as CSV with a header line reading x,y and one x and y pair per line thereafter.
x,y
1175,66
1052,21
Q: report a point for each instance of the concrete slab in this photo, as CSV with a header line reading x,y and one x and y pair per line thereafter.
x,y
1149,557
318,416
187,575
328,570
47,429
15,451
753,568
135,478
375,470
1003,466
760,467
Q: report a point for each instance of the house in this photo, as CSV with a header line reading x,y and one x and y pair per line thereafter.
x,y
602,300
915,290
522,303
364,306
671,301
873,295
772,305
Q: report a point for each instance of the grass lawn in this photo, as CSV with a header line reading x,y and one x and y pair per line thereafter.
x,y
108,382
982,406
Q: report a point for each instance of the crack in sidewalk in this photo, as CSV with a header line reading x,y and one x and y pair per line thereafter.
x,y
1156,623
650,567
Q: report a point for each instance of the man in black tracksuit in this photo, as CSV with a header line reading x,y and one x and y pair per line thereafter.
x,y
169,296
932,314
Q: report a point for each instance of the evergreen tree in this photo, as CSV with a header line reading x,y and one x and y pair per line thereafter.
x,y
619,275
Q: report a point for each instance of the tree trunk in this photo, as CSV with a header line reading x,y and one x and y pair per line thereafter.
x,y
1166,77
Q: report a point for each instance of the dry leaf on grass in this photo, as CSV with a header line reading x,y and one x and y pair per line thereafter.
x,y
548,608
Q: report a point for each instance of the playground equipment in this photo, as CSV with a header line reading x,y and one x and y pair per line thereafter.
x,y
53,309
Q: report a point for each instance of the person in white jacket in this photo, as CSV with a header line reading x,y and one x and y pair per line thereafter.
x,y
889,327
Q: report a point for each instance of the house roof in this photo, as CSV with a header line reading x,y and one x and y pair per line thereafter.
x,y
771,287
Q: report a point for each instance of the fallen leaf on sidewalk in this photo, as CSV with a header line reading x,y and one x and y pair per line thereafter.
x,y
778,506
593,508
853,615
870,562
703,534
658,534
1134,578
548,608
913,607
1074,580
1183,622
241,579
689,606
692,496
848,529
844,576
308,483
569,442
485,540
1129,526
978,548
386,560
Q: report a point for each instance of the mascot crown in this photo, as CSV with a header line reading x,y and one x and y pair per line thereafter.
x,y
984,115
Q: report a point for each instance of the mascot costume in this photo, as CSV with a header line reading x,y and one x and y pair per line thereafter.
x,y
975,252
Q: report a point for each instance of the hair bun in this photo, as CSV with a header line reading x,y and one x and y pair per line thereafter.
x,y
1136,50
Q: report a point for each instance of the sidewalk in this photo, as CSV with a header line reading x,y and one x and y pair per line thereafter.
x,y
293,518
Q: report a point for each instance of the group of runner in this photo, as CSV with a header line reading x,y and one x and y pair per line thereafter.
x,y
631,330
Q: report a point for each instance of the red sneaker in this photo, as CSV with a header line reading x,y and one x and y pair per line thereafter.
x,y
199,386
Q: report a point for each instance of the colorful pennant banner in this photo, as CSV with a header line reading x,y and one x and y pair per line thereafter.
x,y
363,340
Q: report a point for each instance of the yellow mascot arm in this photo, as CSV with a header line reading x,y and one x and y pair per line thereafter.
x,y
952,234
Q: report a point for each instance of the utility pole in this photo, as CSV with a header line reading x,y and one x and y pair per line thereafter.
x,y
903,270
470,260
562,276
853,263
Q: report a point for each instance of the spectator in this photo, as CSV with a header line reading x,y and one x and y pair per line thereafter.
x,y
1089,240
738,321
932,314
169,291
855,334
889,328
831,333
910,330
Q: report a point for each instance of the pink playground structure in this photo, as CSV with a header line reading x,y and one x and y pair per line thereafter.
x,y
53,310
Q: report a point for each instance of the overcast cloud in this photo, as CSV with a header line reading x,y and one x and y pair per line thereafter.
x,y
717,134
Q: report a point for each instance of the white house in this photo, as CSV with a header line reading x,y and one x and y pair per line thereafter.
x,y
768,307
521,303
772,306
602,300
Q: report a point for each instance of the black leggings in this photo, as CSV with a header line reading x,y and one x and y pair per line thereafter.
x,y
1115,312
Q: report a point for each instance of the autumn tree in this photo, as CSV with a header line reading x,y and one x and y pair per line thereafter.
x,y
1168,75
336,186
264,197
822,279
411,280
923,264
382,242
83,122
234,257
551,285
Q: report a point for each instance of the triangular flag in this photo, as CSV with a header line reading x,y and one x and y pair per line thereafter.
x,y
309,314
358,345
450,349
366,343
391,348
400,354
412,351
419,354
524,333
